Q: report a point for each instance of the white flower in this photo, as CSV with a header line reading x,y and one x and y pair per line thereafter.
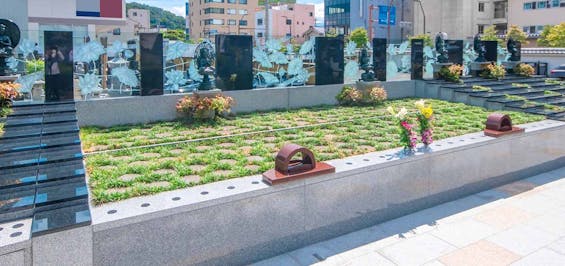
x,y
390,109
402,113
420,104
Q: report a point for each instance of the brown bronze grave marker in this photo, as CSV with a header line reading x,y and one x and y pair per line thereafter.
x,y
287,169
498,125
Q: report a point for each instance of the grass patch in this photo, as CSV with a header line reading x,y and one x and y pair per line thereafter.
x,y
330,132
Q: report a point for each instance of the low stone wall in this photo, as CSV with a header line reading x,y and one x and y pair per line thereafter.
x,y
137,110
239,221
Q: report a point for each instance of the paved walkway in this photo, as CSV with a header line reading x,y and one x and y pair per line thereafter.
x,y
522,223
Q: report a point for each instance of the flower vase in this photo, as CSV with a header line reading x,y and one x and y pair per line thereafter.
x,y
207,114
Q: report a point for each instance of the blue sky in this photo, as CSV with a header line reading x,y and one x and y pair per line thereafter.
x,y
177,6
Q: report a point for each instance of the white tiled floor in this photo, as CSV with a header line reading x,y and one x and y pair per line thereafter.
x,y
522,223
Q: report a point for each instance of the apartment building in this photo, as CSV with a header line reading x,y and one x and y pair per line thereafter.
x,y
210,17
460,19
532,16
290,20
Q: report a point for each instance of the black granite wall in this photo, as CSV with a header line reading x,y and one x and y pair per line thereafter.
x,y
455,51
151,63
491,48
417,59
379,58
329,60
59,66
234,62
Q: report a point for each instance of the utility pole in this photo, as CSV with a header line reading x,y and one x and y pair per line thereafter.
x,y
266,20
388,21
423,14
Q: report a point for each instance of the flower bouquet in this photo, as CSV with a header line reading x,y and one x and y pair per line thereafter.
x,y
425,117
205,108
406,130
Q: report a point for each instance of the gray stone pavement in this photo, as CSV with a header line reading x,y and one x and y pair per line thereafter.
x,y
522,223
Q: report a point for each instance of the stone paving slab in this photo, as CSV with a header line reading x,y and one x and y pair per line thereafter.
x,y
522,223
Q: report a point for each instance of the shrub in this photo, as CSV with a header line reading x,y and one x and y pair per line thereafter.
x,y
524,70
376,95
33,66
205,108
8,92
493,71
425,118
426,37
451,73
349,96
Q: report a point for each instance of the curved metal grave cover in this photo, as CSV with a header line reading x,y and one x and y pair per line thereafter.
x,y
499,122
498,125
287,169
287,166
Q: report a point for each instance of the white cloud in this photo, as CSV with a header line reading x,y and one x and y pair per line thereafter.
x,y
177,10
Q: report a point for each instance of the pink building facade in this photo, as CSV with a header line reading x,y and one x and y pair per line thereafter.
x,y
291,20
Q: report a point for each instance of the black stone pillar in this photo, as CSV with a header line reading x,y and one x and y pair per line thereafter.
x,y
151,63
455,51
417,54
234,62
59,66
329,60
379,58
491,48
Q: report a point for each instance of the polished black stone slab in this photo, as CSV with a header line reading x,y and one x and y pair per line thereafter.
x,y
417,59
379,58
58,154
60,171
60,193
18,177
491,48
24,121
234,62
329,60
11,201
58,66
20,144
19,159
151,63
66,127
60,219
455,51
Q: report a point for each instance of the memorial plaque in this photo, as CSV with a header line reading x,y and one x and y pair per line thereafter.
x,y
234,62
379,58
151,63
59,66
491,48
417,54
329,60
455,51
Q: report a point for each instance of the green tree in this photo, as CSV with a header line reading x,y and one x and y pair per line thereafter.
x,y
542,40
175,35
426,37
490,34
359,37
160,17
556,36
517,34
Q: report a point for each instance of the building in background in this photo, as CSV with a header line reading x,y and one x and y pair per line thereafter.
x,y
343,16
211,17
460,19
289,20
532,16
82,17
137,21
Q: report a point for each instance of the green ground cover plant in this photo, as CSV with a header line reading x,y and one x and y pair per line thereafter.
x,y
246,145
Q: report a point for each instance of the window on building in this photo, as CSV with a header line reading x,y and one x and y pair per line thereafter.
x,y
243,23
117,31
525,29
542,4
311,14
288,35
539,28
481,29
232,11
214,10
213,22
259,34
213,1
527,6
259,22
481,7
532,29
232,22
500,9
288,22
562,4
243,12
135,14
232,1
243,2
